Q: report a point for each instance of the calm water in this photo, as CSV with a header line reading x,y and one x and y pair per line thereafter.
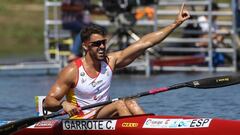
x,y
17,91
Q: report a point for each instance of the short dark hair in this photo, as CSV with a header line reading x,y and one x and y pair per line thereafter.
x,y
87,31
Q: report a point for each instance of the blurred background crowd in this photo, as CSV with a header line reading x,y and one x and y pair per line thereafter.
x,y
49,31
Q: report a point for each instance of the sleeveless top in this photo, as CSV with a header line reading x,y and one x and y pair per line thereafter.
x,y
90,90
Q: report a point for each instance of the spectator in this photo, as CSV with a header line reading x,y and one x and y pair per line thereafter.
x,y
75,16
204,26
218,58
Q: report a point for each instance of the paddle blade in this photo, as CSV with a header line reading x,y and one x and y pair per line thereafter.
x,y
214,82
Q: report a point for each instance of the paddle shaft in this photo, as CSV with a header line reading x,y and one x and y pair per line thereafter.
x,y
213,82
150,92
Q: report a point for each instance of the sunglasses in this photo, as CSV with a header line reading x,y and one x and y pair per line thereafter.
x,y
99,43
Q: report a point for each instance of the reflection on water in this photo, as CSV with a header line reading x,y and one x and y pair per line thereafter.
x,y
17,93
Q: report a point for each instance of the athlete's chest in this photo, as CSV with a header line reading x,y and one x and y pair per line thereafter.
x,y
90,86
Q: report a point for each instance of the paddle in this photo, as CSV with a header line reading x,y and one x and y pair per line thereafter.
x,y
206,83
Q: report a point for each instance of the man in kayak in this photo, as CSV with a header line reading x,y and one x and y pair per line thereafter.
x,y
87,80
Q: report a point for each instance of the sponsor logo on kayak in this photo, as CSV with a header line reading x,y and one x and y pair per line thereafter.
x,y
45,123
126,124
89,124
177,123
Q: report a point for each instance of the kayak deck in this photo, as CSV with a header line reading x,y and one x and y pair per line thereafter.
x,y
142,124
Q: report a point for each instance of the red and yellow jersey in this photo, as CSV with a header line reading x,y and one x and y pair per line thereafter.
x,y
90,90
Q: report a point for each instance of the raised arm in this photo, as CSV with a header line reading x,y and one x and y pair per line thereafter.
x,y
129,54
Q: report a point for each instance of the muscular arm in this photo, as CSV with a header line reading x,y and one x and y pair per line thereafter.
x,y
126,56
63,84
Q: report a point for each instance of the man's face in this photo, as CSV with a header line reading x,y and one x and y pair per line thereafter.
x,y
97,46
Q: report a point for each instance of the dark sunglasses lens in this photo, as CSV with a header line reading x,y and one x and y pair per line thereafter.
x,y
104,42
98,43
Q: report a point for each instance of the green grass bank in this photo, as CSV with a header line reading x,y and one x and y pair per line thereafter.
x,y
21,28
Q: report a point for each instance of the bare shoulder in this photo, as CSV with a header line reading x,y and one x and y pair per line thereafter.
x,y
68,73
65,80
69,69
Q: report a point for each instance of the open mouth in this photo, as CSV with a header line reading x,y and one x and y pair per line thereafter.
x,y
101,52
